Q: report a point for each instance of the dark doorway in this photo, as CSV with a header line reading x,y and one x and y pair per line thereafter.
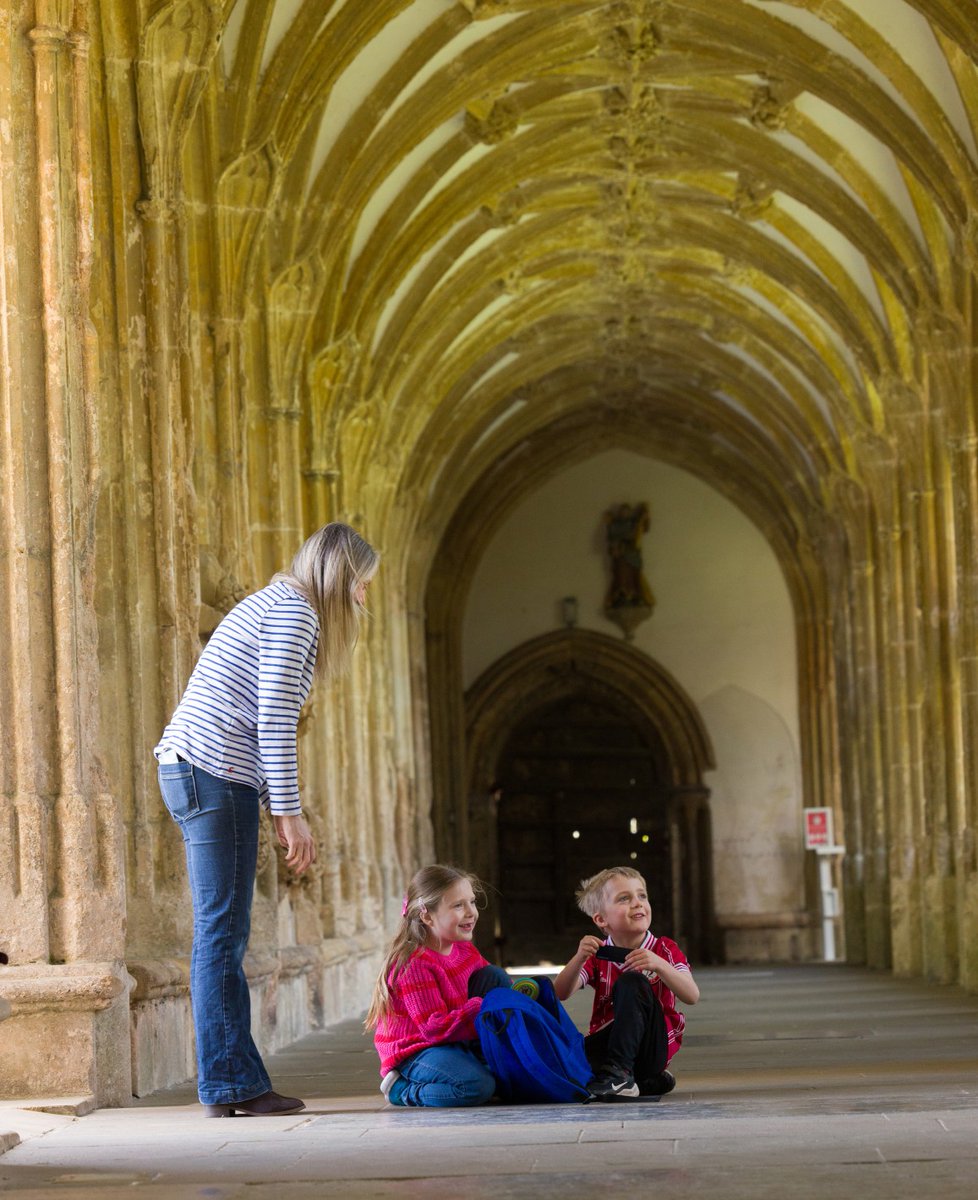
x,y
581,789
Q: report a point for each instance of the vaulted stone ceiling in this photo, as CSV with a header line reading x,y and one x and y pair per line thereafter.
x,y
271,262
445,248
723,225
469,242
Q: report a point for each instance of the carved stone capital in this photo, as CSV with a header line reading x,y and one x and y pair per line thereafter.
x,y
80,42
48,38
157,210
900,398
282,412
848,494
940,331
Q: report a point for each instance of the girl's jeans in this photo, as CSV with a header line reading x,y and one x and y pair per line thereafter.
x,y
453,1074
219,823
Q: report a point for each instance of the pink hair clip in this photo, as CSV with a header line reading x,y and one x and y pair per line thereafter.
x,y
404,907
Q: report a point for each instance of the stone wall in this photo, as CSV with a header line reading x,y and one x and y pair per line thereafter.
x,y
155,472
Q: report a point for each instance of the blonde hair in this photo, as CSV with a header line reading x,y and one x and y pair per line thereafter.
x,y
424,894
328,569
590,895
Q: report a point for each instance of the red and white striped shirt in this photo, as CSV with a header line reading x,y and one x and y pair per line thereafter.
x,y
602,975
429,1004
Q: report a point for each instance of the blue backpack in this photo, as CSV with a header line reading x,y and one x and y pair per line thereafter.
x,y
532,1047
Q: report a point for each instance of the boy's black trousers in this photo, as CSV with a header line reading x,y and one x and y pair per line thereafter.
x,y
636,1041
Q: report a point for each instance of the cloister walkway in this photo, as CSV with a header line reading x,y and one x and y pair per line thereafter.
x,y
794,1082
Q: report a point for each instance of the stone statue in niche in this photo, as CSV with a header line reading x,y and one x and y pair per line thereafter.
x,y
629,600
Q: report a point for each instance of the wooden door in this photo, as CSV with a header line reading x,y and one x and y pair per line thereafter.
x,y
579,792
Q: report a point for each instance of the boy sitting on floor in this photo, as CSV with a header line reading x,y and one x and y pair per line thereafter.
x,y
635,1027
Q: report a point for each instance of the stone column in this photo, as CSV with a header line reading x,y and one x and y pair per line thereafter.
x,y
961,465
692,862
63,889
904,742
940,700
864,868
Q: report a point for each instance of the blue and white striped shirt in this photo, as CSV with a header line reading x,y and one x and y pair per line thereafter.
x,y
238,717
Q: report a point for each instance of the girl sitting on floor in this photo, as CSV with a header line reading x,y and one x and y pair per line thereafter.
x,y
428,993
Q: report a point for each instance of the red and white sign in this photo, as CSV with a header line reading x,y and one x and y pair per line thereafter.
x,y
818,828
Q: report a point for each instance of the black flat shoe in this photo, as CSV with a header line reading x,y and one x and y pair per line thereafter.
x,y
269,1104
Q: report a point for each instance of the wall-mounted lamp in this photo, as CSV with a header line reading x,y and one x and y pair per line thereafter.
x,y
568,610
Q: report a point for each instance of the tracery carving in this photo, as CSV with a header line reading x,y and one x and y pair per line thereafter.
x,y
183,32
244,195
290,312
332,375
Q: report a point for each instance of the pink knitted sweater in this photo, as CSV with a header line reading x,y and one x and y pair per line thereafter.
x,y
429,1004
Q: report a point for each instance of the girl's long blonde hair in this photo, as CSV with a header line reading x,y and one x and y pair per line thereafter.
x,y
424,894
328,569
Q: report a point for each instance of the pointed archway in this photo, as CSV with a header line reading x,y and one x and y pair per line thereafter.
x,y
529,715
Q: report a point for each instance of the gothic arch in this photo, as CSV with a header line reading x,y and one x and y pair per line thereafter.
x,y
572,663
559,664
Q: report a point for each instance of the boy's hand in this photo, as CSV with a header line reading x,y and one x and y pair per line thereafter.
x,y
642,960
589,946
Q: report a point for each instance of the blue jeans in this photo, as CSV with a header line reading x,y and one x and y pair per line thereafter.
x,y
219,823
454,1074
451,1075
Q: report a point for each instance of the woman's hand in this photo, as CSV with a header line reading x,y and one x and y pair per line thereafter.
x,y
300,847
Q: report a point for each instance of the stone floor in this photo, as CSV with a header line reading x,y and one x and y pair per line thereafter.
x,y
794,1082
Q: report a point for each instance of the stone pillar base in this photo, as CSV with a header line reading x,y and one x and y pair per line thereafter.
x,y
67,1033
768,937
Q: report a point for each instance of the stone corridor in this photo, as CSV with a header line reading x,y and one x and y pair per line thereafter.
x,y
794,1082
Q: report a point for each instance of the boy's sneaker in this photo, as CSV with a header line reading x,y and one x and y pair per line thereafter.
x,y
387,1083
659,1085
611,1083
